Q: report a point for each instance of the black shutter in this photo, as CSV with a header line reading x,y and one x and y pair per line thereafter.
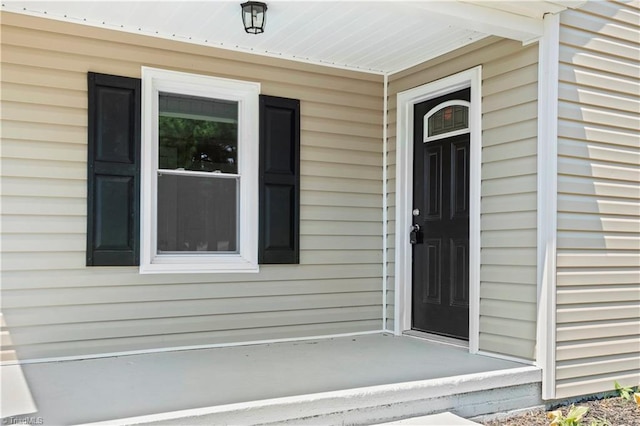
x,y
279,236
113,176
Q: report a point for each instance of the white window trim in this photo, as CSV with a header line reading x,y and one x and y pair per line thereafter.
x,y
404,189
246,94
455,102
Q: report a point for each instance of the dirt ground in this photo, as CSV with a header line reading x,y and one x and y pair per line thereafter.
x,y
602,412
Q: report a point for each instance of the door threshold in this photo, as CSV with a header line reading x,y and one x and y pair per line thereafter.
x,y
450,341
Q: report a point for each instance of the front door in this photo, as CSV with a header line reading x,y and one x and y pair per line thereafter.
x,y
440,287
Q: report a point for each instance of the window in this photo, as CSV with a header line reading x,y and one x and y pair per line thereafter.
x,y
201,197
447,119
199,173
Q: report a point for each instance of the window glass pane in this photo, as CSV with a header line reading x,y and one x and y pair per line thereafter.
x,y
197,214
448,119
198,134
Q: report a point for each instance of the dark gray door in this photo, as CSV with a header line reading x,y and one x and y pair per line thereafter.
x,y
440,288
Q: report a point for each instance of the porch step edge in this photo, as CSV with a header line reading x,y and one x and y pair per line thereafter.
x,y
328,403
442,419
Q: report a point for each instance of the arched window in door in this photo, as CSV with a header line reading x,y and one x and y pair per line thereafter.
x,y
447,119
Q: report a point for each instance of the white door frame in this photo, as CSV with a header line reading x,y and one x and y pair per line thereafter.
x,y
404,194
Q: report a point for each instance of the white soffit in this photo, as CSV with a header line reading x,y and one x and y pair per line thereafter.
x,y
380,37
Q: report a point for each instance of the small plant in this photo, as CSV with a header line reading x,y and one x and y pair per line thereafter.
x,y
573,417
624,392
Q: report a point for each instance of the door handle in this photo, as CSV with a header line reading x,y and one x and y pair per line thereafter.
x,y
415,236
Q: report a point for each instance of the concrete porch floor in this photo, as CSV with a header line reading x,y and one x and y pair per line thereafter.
x,y
196,382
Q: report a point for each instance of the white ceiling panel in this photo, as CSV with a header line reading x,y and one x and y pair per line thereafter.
x,y
372,36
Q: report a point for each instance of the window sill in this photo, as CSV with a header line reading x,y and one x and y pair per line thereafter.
x,y
208,264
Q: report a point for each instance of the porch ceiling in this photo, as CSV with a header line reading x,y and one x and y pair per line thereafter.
x,y
372,36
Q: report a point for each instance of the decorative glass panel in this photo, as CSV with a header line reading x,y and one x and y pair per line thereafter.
x,y
448,119
197,214
198,134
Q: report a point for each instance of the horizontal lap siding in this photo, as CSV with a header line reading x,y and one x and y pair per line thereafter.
x,y
509,182
598,283
55,306
509,194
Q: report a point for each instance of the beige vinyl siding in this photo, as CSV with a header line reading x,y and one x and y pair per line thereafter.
x,y
55,306
598,278
509,182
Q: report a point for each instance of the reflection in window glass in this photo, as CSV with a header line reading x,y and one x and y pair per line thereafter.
x,y
449,119
198,134
197,214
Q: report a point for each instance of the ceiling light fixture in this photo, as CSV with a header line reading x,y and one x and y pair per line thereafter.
x,y
254,14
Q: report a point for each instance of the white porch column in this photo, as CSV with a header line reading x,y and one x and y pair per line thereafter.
x,y
547,202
